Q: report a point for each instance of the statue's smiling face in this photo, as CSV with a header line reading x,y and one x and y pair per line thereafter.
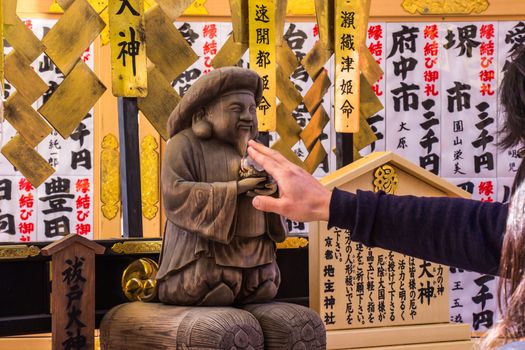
x,y
233,118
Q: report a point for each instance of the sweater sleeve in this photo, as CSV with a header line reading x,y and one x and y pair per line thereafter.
x,y
457,232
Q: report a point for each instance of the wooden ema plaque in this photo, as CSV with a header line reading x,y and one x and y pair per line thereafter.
x,y
354,287
73,292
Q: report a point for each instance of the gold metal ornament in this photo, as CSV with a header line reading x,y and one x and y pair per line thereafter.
x,y
138,280
137,247
104,35
110,177
149,176
293,243
19,251
385,179
445,7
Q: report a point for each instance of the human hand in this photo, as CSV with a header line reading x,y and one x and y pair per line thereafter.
x,y
301,196
249,184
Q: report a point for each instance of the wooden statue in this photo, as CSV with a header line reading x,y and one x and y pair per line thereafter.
x,y
218,249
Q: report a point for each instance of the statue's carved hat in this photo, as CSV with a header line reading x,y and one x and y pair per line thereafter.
x,y
207,88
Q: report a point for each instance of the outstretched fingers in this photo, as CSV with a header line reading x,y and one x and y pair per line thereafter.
x,y
268,163
268,152
268,204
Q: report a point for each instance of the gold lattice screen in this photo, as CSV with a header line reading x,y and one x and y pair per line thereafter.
x,y
158,54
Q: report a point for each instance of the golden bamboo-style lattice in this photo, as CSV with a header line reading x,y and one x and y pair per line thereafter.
x,y
82,21
168,55
73,98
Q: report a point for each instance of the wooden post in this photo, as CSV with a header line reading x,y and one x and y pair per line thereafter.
x,y
128,115
345,149
73,292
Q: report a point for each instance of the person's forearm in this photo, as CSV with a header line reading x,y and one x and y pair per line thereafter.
x,y
451,231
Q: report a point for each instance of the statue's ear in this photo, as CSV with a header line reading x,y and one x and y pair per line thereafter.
x,y
200,126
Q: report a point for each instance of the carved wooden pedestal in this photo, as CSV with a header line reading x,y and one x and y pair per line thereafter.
x,y
138,326
289,326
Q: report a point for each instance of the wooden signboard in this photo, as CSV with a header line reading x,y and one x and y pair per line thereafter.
x,y
355,287
128,50
262,24
73,292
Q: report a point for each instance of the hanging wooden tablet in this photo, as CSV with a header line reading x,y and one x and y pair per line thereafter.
x,y
348,20
128,48
262,26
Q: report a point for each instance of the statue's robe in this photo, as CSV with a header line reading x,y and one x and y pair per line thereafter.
x,y
207,220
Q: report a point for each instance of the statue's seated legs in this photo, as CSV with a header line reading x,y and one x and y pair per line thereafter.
x,y
289,326
204,283
201,283
259,284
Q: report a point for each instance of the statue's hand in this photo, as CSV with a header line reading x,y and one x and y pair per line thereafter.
x,y
269,189
250,184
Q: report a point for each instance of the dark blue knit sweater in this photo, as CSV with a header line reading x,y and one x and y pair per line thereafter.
x,y
456,232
